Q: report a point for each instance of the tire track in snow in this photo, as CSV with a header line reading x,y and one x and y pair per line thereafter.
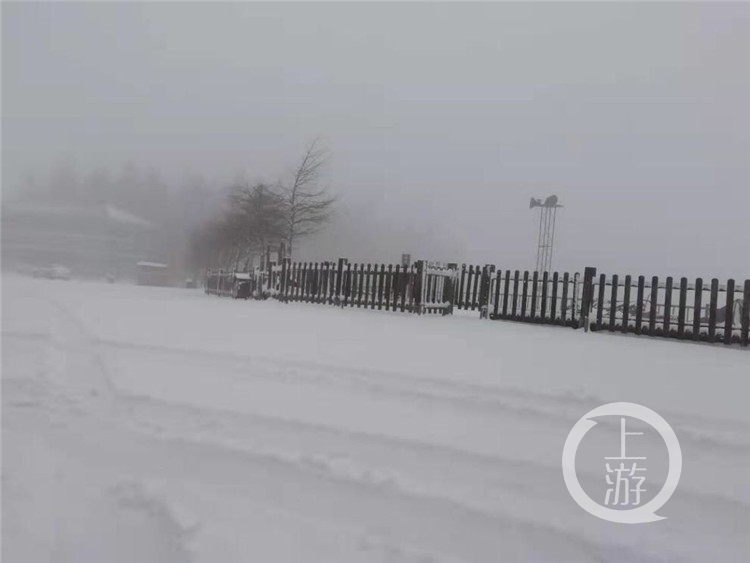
x,y
69,338
105,520
323,446
420,523
558,408
391,384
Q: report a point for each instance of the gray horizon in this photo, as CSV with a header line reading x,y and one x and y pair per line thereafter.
x,y
442,120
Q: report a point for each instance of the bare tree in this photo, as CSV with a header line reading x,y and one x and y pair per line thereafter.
x,y
260,216
308,206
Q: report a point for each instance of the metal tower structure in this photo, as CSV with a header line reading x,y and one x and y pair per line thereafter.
x,y
546,238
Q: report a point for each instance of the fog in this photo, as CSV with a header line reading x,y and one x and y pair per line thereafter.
x,y
441,120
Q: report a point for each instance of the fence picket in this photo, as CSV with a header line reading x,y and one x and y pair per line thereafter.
x,y
545,281
525,293
366,296
600,301
404,286
388,287
506,291
712,310
360,285
652,312
682,310
498,281
626,304
639,305
553,298
729,312
347,284
697,308
744,336
381,283
667,305
613,304
461,301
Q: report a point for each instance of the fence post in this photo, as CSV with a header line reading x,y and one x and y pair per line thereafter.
x,y
613,303
388,287
653,305
668,306
682,310
339,280
268,270
283,284
639,304
587,298
419,281
626,303
712,310
697,308
484,291
498,281
564,300
403,286
525,293
745,314
729,312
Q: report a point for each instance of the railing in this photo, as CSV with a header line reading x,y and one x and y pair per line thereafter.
x,y
546,299
710,312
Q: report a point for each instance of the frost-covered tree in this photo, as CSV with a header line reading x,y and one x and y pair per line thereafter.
x,y
309,206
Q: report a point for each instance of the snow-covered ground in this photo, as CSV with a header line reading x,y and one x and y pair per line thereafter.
x,y
152,424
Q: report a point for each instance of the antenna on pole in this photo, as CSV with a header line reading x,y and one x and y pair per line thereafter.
x,y
546,237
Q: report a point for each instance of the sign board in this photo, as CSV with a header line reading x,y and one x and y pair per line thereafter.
x,y
406,260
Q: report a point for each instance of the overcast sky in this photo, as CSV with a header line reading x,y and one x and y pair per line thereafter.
x,y
442,120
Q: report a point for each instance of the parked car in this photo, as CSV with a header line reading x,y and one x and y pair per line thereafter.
x,y
55,272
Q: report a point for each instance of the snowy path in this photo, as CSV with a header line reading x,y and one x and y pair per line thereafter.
x,y
147,424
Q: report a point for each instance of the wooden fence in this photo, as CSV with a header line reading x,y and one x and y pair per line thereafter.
x,y
373,286
710,312
684,309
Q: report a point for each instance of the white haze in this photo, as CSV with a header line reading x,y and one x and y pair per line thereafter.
x,y
442,120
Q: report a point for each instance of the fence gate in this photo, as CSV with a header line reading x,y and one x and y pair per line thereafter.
x,y
437,283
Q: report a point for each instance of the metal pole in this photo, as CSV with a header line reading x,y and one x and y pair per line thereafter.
x,y
552,244
539,239
547,221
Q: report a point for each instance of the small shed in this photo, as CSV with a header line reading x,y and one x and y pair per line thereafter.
x,y
153,273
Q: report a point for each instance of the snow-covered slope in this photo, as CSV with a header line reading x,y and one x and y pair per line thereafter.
x,y
154,424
